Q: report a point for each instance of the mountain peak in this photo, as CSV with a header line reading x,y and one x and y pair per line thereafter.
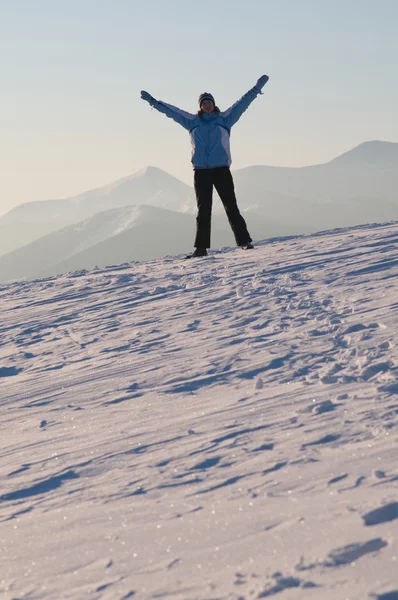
x,y
154,173
151,170
371,153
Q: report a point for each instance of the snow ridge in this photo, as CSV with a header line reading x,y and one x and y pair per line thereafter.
x,y
217,428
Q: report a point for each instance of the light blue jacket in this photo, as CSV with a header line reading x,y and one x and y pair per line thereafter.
x,y
209,133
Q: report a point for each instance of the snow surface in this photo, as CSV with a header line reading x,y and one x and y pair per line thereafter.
x,y
220,428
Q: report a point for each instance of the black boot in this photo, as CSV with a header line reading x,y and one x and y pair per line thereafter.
x,y
248,246
199,252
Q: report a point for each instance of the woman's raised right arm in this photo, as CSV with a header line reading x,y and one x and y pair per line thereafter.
x,y
183,118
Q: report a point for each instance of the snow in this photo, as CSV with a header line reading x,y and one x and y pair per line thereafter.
x,y
104,225
148,187
219,428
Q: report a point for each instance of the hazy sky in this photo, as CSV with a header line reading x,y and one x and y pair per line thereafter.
x,y
72,70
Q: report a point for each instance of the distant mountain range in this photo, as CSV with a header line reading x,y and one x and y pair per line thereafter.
x,y
151,186
151,213
368,171
114,236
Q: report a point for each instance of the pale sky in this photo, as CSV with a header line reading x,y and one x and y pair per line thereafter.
x,y
71,73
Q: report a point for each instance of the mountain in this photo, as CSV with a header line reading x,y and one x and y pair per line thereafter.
x,y
130,227
119,235
151,186
218,428
360,186
375,155
368,171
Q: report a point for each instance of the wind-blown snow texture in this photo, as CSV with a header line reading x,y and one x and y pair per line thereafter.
x,y
223,428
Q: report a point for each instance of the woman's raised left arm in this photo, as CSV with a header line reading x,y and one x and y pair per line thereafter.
x,y
234,113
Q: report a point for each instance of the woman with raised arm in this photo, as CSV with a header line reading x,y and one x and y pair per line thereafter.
x,y
211,158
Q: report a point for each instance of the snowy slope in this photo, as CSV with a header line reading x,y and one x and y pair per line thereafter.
x,y
357,187
52,254
121,235
223,428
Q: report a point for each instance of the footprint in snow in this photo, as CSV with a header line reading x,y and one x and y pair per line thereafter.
x,y
387,596
321,407
283,583
384,514
374,369
9,371
345,555
352,552
240,292
258,384
389,388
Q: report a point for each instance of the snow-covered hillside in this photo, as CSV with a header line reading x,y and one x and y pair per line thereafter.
x,y
150,186
357,187
368,172
109,237
222,428
121,235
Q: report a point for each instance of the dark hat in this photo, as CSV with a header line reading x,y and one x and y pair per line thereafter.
x,y
206,96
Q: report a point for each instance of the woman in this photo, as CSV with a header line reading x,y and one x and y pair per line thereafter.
x,y
211,158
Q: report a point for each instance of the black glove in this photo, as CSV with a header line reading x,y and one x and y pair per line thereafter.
x,y
261,82
147,97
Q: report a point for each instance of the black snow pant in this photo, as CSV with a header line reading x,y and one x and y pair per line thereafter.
x,y
222,180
